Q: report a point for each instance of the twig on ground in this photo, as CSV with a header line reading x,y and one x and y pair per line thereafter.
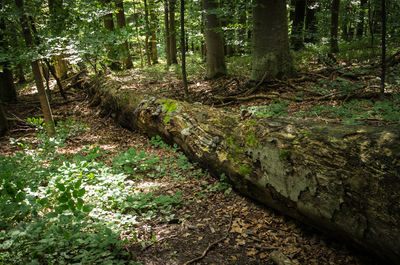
x,y
212,244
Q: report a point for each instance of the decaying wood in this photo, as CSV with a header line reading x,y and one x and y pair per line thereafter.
x,y
341,179
279,258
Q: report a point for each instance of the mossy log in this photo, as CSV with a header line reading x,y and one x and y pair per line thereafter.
x,y
342,179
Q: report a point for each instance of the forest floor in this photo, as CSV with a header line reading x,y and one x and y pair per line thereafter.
x,y
211,223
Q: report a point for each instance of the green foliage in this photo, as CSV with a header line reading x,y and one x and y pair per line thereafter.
x,y
222,185
133,161
58,210
277,109
356,112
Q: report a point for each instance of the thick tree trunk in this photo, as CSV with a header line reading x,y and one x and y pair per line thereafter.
x,y
3,120
271,55
44,101
172,31
121,21
214,42
298,25
342,179
7,87
334,26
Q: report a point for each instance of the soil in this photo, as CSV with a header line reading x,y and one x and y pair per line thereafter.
x,y
210,227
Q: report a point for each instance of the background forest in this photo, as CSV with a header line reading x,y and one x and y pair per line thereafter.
x,y
335,61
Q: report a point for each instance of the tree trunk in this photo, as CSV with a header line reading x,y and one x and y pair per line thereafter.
x,y
183,51
383,52
172,31
311,22
112,53
153,41
44,102
121,21
214,42
3,120
20,74
147,45
167,33
334,26
342,179
298,25
7,88
271,55
361,19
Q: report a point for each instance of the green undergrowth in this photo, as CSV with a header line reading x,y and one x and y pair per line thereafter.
x,y
73,209
353,112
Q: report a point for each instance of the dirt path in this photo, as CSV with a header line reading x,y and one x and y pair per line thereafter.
x,y
214,224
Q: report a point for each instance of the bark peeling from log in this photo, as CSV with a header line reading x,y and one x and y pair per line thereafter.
x,y
343,179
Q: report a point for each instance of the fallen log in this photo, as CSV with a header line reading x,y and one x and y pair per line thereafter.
x,y
342,179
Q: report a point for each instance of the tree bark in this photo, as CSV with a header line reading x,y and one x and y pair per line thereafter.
x,y
183,51
121,21
334,26
172,31
361,19
167,33
44,101
112,53
214,41
3,120
383,51
342,179
147,45
7,88
311,22
298,25
271,55
153,41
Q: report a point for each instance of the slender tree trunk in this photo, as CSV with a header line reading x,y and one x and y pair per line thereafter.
x,y
334,26
138,38
214,41
44,102
311,22
271,55
183,51
167,33
242,30
383,58
153,41
57,25
50,67
147,27
298,24
361,18
7,87
3,120
121,21
112,54
20,74
203,47
172,31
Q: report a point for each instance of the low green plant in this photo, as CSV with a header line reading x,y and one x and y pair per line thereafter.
x,y
62,210
277,109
